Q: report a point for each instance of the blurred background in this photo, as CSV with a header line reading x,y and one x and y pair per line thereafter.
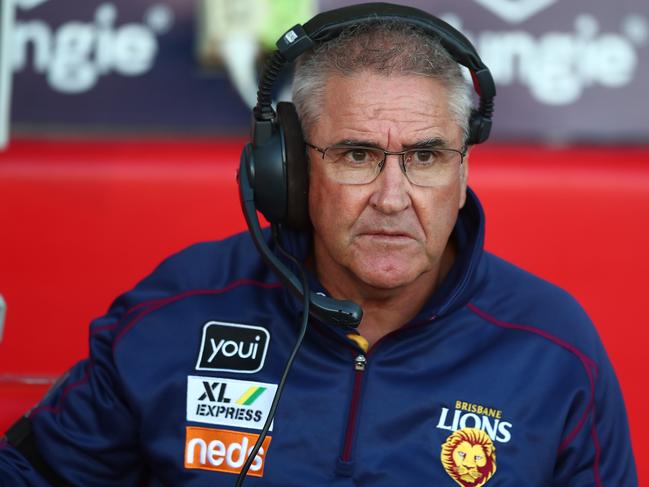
x,y
121,124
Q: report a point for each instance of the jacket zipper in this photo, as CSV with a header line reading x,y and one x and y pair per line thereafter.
x,y
359,367
360,363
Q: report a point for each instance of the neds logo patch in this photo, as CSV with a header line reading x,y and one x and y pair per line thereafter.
x,y
223,450
233,347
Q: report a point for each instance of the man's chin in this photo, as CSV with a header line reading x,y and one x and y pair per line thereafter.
x,y
386,278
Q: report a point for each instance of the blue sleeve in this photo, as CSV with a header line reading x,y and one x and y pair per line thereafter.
x,y
597,447
86,428
83,428
15,471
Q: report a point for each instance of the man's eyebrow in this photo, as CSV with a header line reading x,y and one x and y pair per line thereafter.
x,y
426,143
423,143
361,142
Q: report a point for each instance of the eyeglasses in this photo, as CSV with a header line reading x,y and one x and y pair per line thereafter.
x,y
423,166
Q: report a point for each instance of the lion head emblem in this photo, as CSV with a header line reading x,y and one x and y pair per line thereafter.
x,y
469,457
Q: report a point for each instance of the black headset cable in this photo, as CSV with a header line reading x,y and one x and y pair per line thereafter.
x,y
289,362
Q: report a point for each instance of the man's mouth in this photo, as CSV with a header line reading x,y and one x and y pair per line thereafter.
x,y
387,235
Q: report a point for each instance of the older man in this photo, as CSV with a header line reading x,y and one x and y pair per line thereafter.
x,y
463,370
382,226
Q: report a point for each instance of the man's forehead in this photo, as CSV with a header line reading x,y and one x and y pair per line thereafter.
x,y
390,135
377,86
387,133
377,109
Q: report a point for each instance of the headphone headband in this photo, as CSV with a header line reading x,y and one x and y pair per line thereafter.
x,y
328,25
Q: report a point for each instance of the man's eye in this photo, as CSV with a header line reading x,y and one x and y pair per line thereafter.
x,y
423,156
358,155
461,454
478,458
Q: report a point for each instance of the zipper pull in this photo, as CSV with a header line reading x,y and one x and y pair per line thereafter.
x,y
359,362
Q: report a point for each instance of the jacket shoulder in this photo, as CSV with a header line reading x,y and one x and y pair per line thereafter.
x,y
205,265
515,296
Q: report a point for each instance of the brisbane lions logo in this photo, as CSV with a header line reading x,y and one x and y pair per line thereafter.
x,y
469,457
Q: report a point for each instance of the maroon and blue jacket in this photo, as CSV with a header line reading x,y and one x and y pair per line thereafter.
x,y
501,380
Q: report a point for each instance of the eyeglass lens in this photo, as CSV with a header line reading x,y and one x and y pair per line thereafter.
x,y
422,166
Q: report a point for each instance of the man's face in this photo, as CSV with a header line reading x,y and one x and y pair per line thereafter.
x,y
387,233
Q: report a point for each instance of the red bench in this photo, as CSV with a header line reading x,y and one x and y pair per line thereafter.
x,y
82,221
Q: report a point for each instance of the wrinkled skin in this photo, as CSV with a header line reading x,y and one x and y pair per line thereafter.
x,y
387,239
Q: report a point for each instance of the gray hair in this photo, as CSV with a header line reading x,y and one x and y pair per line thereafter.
x,y
385,48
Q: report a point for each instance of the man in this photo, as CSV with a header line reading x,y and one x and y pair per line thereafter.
x,y
464,369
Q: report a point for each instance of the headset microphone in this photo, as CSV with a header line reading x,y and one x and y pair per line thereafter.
x,y
324,308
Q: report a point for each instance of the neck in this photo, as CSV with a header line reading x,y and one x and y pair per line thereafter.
x,y
386,310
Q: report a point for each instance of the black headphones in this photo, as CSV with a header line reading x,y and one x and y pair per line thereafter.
x,y
273,176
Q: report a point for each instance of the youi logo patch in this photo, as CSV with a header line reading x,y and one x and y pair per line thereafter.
x,y
233,347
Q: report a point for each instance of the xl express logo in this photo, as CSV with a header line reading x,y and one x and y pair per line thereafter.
x,y
229,402
232,347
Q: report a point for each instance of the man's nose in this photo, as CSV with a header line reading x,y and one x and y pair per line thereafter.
x,y
392,188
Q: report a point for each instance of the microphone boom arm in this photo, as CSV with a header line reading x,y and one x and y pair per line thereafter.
x,y
324,308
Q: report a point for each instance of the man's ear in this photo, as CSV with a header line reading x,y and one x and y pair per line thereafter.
x,y
464,177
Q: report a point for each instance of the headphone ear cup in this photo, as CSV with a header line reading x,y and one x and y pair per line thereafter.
x,y
297,208
479,128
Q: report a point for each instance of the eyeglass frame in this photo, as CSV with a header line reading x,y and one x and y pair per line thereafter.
x,y
381,163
